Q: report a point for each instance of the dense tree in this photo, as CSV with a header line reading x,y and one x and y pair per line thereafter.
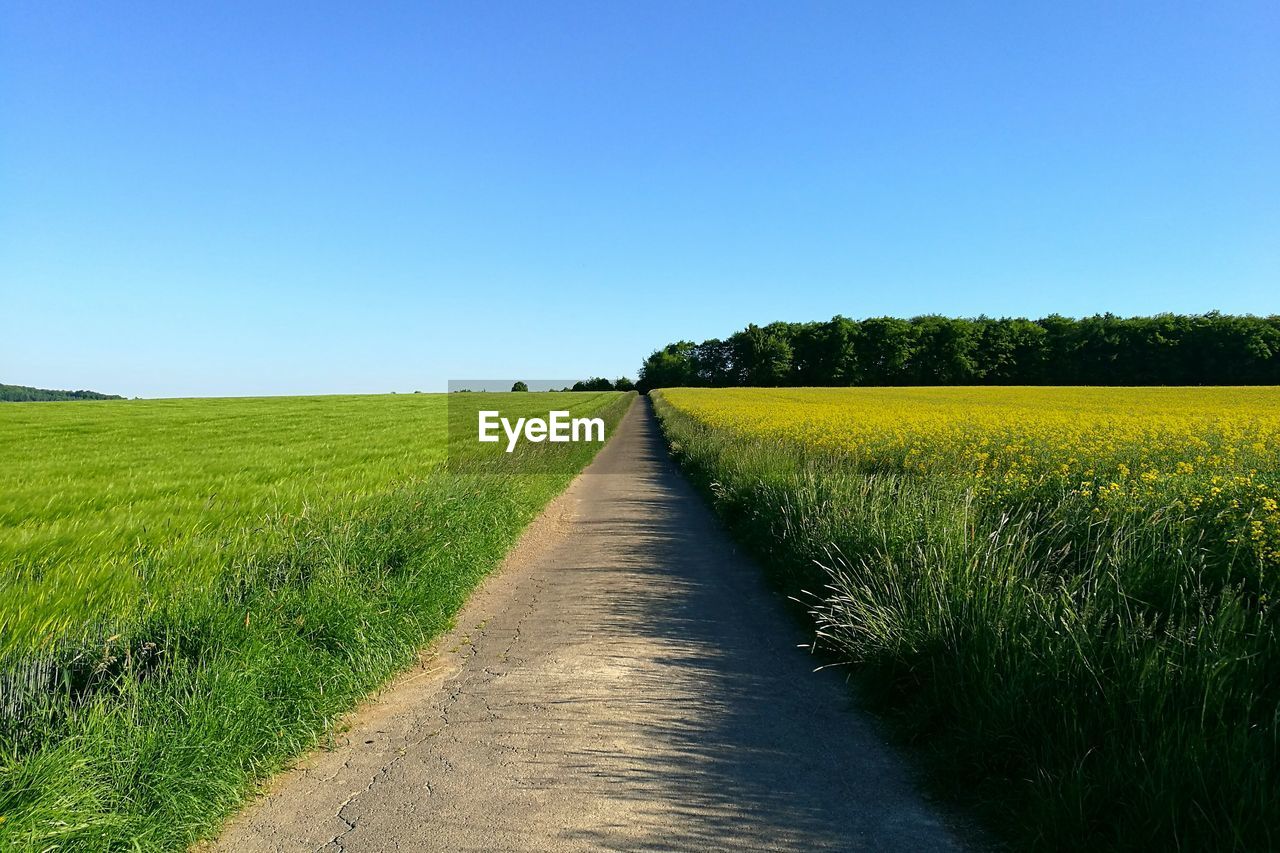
x,y
595,383
944,351
673,366
883,351
1008,351
1166,349
762,356
713,363
519,386
26,394
823,353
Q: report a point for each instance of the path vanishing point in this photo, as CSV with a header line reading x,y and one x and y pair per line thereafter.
x,y
626,681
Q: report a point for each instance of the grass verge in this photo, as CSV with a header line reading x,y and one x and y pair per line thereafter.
x,y
1091,680
148,737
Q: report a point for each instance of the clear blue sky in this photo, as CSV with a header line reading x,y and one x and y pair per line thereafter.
x,y
253,198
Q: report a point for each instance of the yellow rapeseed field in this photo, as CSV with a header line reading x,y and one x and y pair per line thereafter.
x,y
1211,454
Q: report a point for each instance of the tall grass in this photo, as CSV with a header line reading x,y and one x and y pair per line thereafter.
x,y
196,590
1093,679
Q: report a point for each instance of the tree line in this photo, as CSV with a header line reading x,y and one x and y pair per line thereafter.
x,y
1166,349
599,383
595,383
26,394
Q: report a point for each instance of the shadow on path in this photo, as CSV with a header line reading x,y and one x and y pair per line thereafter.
x,y
629,684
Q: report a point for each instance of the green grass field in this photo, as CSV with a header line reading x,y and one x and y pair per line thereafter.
x,y
193,590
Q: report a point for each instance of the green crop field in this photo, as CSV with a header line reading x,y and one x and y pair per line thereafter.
x,y
1066,595
192,590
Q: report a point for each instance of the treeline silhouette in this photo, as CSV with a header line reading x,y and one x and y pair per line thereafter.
x,y
1167,349
25,394
599,383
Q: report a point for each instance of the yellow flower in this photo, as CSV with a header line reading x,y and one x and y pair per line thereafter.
x,y
1206,450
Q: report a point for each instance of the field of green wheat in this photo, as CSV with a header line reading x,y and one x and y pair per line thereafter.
x,y
192,591
1066,596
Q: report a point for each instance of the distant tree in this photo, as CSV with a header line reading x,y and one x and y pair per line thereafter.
x,y
1010,351
712,363
823,353
1247,347
673,366
1166,349
622,383
519,386
944,351
27,394
761,355
595,383
883,350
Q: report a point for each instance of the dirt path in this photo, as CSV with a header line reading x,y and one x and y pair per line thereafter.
x,y
625,682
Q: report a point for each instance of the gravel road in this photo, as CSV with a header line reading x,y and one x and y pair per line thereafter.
x,y
626,681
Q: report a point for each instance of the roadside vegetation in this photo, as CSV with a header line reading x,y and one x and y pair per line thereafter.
x,y
195,590
1065,595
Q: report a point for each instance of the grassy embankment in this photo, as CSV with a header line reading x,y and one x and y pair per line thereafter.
x,y
1066,595
194,590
